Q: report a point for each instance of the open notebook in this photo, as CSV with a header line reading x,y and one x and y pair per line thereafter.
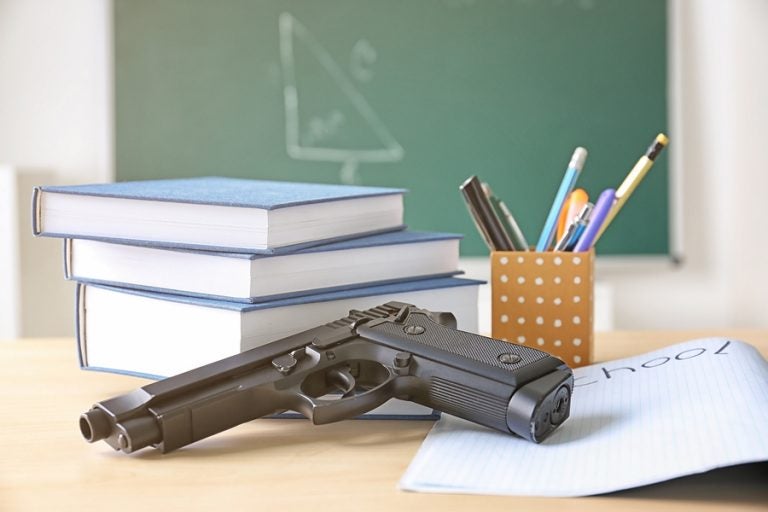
x,y
685,409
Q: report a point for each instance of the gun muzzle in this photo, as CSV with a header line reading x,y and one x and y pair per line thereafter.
x,y
95,425
127,436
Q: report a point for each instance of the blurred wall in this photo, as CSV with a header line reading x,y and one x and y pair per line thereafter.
x,y
55,127
55,116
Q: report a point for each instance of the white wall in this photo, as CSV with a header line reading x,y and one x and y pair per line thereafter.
x,y
55,113
55,117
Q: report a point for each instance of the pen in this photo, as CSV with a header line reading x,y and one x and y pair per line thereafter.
x,y
575,202
634,178
596,220
508,221
569,180
560,245
485,218
582,221
575,229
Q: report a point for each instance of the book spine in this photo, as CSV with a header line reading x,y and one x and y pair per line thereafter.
x,y
68,258
37,211
80,325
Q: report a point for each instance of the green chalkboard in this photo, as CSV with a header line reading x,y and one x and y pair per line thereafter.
x,y
414,94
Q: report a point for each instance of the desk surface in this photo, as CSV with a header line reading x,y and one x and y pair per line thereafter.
x,y
274,464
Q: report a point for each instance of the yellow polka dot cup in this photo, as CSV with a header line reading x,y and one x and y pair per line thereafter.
x,y
545,300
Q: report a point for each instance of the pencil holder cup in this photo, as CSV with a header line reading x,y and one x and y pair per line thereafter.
x,y
545,300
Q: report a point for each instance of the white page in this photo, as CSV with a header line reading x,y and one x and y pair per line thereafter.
x,y
685,409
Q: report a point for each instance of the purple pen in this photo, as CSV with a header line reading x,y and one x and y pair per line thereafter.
x,y
596,219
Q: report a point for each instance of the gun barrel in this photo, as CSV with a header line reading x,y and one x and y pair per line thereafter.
x,y
129,435
95,425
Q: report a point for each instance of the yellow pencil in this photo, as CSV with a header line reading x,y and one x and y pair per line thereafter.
x,y
634,178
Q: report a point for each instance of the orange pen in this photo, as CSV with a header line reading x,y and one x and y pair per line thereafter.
x,y
573,205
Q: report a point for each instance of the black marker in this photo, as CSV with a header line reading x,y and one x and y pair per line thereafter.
x,y
485,218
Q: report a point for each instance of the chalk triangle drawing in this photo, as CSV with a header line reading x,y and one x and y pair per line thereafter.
x,y
328,120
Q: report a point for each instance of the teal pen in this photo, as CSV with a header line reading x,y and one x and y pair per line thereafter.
x,y
566,187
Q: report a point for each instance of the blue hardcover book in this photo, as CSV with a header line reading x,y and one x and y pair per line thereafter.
x,y
224,214
154,335
377,259
157,335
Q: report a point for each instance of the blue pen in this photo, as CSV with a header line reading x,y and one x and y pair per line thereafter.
x,y
575,229
597,218
566,187
581,225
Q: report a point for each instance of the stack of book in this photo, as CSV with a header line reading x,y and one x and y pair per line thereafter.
x,y
174,274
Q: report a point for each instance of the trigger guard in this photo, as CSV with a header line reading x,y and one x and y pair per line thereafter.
x,y
351,405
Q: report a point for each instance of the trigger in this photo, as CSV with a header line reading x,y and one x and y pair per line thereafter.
x,y
343,380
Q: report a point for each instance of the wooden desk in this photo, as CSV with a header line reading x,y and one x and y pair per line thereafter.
x,y
273,464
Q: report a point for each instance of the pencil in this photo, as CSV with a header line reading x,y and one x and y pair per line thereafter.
x,y
566,186
633,179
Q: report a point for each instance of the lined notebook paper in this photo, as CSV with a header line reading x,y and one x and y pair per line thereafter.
x,y
685,409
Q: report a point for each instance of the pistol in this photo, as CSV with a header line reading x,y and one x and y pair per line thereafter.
x,y
341,370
